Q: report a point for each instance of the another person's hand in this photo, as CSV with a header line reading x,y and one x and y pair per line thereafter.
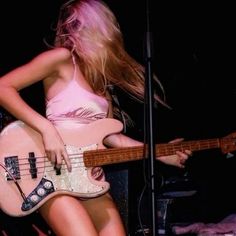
x,y
177,159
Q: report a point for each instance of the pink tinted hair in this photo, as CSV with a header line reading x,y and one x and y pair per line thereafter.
x,y
90,30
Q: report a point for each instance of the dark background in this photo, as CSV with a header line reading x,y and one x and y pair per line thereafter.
x,y
194,58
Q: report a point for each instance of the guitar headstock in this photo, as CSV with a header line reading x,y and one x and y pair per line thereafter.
x,y
228,143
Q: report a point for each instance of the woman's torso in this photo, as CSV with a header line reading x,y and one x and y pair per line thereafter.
x,y
75,105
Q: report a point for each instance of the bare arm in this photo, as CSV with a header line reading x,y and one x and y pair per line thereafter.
x,y
41,67
120,140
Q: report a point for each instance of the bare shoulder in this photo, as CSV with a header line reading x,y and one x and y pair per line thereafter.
x,y
46,66
54,56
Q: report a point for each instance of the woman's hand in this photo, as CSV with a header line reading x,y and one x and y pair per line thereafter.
x,y
55,148
178,159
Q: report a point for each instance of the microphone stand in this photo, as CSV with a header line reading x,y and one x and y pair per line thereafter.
x,y
148,122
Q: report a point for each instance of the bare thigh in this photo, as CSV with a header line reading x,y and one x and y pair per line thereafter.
x,y
105,216
67,216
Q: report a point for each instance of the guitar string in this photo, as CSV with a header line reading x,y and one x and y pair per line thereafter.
x,y
75,161
79,155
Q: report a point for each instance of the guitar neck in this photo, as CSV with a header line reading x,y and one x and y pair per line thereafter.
x,y
120,155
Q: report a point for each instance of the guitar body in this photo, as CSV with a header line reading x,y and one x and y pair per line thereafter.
x,y
28,179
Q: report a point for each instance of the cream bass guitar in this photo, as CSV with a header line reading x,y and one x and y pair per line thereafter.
x,y
28,179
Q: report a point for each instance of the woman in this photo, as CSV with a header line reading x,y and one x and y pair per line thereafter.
x,y
88,57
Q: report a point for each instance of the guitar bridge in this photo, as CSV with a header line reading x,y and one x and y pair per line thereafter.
x,y
12,166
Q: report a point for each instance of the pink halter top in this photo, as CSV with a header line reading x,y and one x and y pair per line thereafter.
x,y
75,105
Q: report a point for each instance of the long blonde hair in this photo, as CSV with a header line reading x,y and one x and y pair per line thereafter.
x,y
90,30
